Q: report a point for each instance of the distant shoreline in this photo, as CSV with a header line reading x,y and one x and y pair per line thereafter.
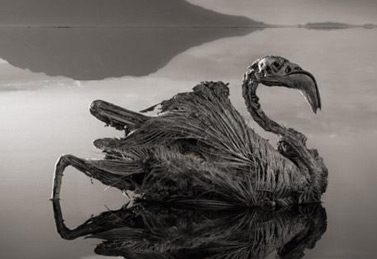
x,y
327,25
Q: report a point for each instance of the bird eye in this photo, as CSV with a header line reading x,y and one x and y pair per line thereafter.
x,y
288,69
275,64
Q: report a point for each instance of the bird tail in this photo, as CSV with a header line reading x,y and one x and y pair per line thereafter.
x,y
117,117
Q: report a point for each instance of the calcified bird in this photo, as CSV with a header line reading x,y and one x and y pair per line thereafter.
x,y
199,149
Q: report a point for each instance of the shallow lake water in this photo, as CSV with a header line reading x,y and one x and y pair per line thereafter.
x,y
45,116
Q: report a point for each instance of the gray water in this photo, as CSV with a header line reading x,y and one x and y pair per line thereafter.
x,y
44,116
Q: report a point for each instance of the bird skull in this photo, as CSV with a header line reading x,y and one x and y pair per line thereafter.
x,y
278,71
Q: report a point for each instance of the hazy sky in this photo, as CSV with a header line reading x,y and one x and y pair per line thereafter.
x,y
297,11
179,12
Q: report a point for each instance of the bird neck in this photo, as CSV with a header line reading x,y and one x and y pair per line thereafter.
x,y
249,89
303,157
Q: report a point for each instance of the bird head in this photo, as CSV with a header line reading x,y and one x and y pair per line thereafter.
x,y
278,71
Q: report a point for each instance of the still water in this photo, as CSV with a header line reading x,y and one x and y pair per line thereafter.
x,y
45,94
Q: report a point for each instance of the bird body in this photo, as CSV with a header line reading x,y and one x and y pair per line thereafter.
x,y
200,149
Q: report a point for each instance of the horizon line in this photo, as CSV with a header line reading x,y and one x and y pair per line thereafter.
x,y
263,25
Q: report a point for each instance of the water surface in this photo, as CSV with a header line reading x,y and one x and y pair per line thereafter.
x,y
44,116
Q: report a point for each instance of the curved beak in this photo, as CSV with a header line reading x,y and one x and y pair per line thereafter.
x,y
289,75
306,83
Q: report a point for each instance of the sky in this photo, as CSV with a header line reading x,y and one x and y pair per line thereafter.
x,y
180,12
289,12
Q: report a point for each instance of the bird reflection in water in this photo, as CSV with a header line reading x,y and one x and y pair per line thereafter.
x,y
155,230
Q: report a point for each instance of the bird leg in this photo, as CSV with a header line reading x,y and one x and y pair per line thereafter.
x,y
109,172
66,233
